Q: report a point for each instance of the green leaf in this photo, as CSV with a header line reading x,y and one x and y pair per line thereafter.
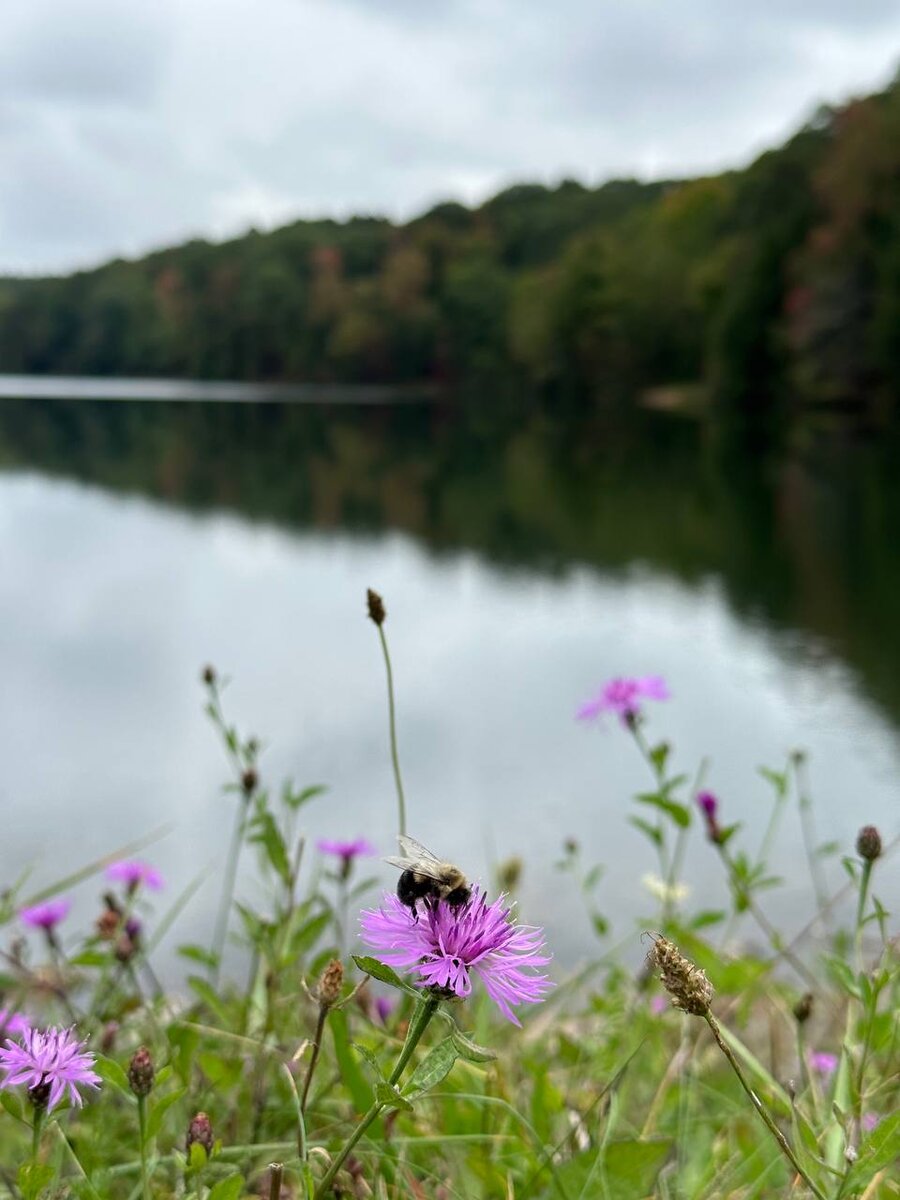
x,y
90,958
435,1066
197,1157
13,1105
210,997
600,924
353,1078
645,827
631,1166
113,1073
227,1189
678,812
264,832
158,1110
389,1096
33,1178
295,799
384,974
470,1050
370,1059
878,1151
659,755
709,916
199,954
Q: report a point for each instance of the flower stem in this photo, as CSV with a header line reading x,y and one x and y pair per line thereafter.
x,y
142,1127
425,1010
40,1113
228,882
314,1056
276,1175
760,1108
395,759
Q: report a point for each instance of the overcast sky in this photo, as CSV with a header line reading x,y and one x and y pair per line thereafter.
x,y
128,124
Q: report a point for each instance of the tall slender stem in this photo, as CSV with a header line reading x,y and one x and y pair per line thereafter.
x,y
40,1113
395,758
142,1127
228,882
314,1056
425,1010
760,1107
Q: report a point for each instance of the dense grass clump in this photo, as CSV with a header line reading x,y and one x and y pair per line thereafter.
x,y
438,1055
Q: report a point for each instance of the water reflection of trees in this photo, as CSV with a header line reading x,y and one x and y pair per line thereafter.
x,y
803,540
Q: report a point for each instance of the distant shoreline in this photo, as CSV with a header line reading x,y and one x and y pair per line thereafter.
x,y
88,387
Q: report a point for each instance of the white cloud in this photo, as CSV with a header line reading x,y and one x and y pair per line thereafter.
x,y
127,126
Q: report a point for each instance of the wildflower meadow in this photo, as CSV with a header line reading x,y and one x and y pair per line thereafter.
x,y
376,1046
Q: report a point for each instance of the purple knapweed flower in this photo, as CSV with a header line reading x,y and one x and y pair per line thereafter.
x,y
132,872
658,1005
14,1023
622,696
384,1006
823,1062
870,1121
708,803
346,851
52,1058
445,946
709,806
46,916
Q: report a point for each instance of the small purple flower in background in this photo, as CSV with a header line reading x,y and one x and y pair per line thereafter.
x,y
14,1023
622,696
823,1062
658,1005
46,916
54,1059
384,1006
346,851
709,806
870,1121
445,946
132,872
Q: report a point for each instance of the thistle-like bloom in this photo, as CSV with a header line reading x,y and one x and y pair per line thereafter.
x,y
132,872
823,1062
14,1023
445,946
346,851
46,916
709,806
52,1059
622,696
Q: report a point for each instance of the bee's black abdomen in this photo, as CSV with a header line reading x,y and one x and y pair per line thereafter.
x,y
412,887
459,896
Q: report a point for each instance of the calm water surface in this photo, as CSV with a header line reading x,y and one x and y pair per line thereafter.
x,y
522,566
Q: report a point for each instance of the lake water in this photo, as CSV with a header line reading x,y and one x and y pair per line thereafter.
x,y
523,563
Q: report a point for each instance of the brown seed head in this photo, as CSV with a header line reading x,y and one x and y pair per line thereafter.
x,y
688,986
108,924
249,780
803,1008
141,1072
868,843
200,1131
209,675
329,989
375,604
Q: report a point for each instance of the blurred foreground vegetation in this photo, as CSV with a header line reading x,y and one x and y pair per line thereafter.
x,y
780,281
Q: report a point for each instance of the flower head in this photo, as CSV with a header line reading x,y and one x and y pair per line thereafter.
x,y
384,1006
46,916
870,1121
708,804
346,851
54,1059
823,1062
446,945
133,872
622,696
14,1023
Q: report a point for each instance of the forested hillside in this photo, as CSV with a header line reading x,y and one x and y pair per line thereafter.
x,y
780,279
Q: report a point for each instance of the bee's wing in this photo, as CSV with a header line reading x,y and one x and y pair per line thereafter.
x,y
431,870
402,864
410,848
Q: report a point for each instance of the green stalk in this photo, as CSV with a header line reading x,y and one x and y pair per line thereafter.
x,y
395,759
759,1106
425,1010
228,882
142,1126
40,1113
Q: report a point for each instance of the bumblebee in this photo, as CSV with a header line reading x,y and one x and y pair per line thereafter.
x,y
425,877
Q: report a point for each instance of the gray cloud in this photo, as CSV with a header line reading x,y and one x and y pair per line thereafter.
x,y
123,127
